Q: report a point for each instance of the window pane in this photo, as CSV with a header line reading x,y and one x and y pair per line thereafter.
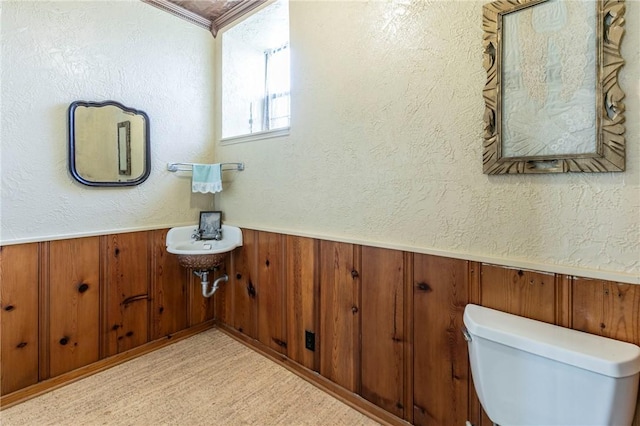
x,y
280,112
255,66
278,72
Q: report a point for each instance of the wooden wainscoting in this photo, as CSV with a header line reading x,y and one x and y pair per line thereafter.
x,y
338,335
384,325
301,276
68,307
441,367
71,305
383,331
272,319
171,286
19,350
127,292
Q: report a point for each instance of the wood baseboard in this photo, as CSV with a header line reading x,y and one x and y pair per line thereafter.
x,y
351,399
48,385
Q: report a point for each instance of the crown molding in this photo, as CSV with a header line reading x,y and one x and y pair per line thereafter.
x,y
234,13
181,12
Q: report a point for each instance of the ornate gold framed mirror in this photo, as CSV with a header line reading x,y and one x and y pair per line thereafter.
x,y
552,99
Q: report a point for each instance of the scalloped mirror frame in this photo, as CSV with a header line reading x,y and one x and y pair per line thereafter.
x,y
610,143
145,143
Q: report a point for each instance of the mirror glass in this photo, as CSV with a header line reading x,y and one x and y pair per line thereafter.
x,y
108,144
548,79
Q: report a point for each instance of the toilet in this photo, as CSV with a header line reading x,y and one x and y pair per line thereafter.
x,y
528,372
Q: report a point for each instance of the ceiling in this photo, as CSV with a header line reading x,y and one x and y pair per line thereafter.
x,y
210,14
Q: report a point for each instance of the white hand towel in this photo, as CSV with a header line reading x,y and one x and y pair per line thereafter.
x,y
206,178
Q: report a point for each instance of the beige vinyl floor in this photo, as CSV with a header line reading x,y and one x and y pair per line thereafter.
x,y
207,379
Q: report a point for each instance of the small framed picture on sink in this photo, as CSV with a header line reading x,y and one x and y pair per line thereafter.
x,y
210,225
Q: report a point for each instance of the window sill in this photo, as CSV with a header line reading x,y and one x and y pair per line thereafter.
x,y
256,136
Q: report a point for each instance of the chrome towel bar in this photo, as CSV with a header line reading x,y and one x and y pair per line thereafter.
x,y
187,167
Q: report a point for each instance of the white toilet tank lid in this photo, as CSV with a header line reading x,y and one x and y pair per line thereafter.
x,y
594,353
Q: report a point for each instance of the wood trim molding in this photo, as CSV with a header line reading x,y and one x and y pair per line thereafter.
x,y
180,12
40,388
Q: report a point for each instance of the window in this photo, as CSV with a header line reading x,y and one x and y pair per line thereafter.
x,y
277,88
255,74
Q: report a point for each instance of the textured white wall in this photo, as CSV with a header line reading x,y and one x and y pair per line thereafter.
x,y
386,149
56,52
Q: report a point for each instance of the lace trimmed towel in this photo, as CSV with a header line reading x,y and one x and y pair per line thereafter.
x,y
206,178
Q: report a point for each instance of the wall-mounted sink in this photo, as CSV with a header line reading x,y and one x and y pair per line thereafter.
x,y
202,254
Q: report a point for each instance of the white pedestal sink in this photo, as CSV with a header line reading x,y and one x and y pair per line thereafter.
x,y
203,256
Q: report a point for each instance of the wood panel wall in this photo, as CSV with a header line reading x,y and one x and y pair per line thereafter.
x,y
169,284
271,292
302,278
73,304
385,324
67,304
441,378
339,334
606,308
383,331
19,289
244,313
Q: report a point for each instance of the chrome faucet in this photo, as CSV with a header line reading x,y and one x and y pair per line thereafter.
x,y
216,235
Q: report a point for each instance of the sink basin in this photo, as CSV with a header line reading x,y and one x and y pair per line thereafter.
x,y
202,254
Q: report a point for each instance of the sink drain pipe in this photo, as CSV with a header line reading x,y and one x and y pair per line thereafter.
x,y
204,276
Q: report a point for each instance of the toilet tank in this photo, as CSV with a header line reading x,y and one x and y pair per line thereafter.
x,y
527,372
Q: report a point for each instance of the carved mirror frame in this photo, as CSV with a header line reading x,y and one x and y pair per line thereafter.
x,y
609,155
